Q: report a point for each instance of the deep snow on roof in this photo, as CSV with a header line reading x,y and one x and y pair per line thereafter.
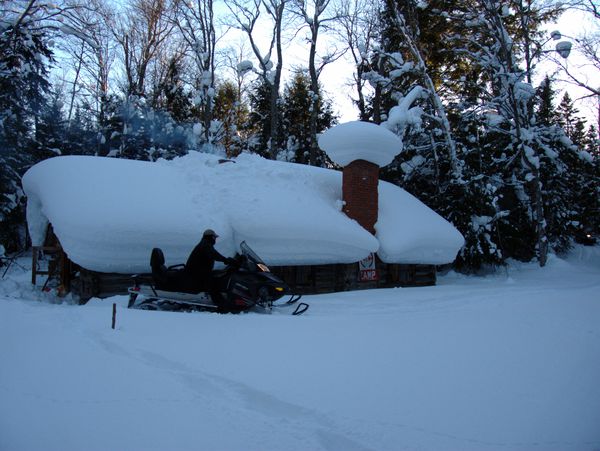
x,y
109,213
357,140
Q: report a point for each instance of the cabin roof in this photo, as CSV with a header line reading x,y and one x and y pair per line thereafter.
x,y
109,213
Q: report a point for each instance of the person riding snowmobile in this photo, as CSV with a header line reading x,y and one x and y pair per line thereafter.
x,y
201,262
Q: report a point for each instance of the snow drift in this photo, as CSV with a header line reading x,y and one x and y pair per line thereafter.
x,y
109,213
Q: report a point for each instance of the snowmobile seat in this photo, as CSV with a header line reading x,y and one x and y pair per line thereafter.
x,y
168,279
157,261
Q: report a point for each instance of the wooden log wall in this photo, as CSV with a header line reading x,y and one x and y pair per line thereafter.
x,y
92,284
302,279
345,277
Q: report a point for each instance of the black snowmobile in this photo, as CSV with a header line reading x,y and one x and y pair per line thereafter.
x,y
247,284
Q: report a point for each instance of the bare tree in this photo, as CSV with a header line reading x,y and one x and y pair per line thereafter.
x,y
81,31
141,32
195,21
89,44
233,59
316,14
358,27
588,6
582,69
45,14
246,17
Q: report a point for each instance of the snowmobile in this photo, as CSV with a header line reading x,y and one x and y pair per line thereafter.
x,y
246,284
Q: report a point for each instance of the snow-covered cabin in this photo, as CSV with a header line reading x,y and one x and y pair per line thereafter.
x,y
306,222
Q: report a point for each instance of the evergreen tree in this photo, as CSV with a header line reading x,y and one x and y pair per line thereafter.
x,y
296,117
51,128
259,119
170,93
135,131
568,118
231,114
24,54
297,104
504,155
593,142
82,133
545,103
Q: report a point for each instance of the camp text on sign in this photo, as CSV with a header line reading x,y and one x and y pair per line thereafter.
x,y
367,270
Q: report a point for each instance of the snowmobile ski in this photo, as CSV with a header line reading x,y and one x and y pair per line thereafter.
x,y
300,308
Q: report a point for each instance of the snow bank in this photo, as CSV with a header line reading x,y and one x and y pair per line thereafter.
x,y
109,213
358,140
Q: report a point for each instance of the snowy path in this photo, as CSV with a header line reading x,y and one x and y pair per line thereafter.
x,y
510,361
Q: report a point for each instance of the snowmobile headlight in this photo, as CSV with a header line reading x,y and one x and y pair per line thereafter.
x,y
279,289
263,268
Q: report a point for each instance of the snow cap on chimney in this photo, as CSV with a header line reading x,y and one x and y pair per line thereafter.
x,y
351,141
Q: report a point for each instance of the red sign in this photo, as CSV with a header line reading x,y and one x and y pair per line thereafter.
x,y
366,269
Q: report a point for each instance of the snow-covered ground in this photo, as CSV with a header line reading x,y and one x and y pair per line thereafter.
x,y
508,361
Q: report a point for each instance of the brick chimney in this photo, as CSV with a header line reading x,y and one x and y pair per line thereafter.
x,y
361,148
360,181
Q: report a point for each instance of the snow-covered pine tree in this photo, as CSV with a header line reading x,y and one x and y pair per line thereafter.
x,y
592,142
554,171
259,120
136,131
170,95
572,180
24,55
296,107
545,110
506,94
297,104
444,161
567,116
51,128
403,21
82,132
231,113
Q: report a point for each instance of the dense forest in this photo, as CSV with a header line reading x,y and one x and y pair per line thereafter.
x,y
488,144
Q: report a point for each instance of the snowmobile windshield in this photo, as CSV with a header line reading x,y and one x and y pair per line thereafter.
x,y
248,252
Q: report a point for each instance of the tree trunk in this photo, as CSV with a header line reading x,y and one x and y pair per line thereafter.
x,y
433,95
314,86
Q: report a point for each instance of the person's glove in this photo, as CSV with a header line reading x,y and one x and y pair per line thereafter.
x,y
229,261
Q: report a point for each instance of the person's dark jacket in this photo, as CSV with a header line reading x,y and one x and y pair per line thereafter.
x,y
201,262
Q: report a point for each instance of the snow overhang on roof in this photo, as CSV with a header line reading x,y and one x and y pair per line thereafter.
x,y
110,213
358,140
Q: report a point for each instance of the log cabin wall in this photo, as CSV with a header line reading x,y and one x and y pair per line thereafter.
x,y
344,277
314,279
310,279
90,284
